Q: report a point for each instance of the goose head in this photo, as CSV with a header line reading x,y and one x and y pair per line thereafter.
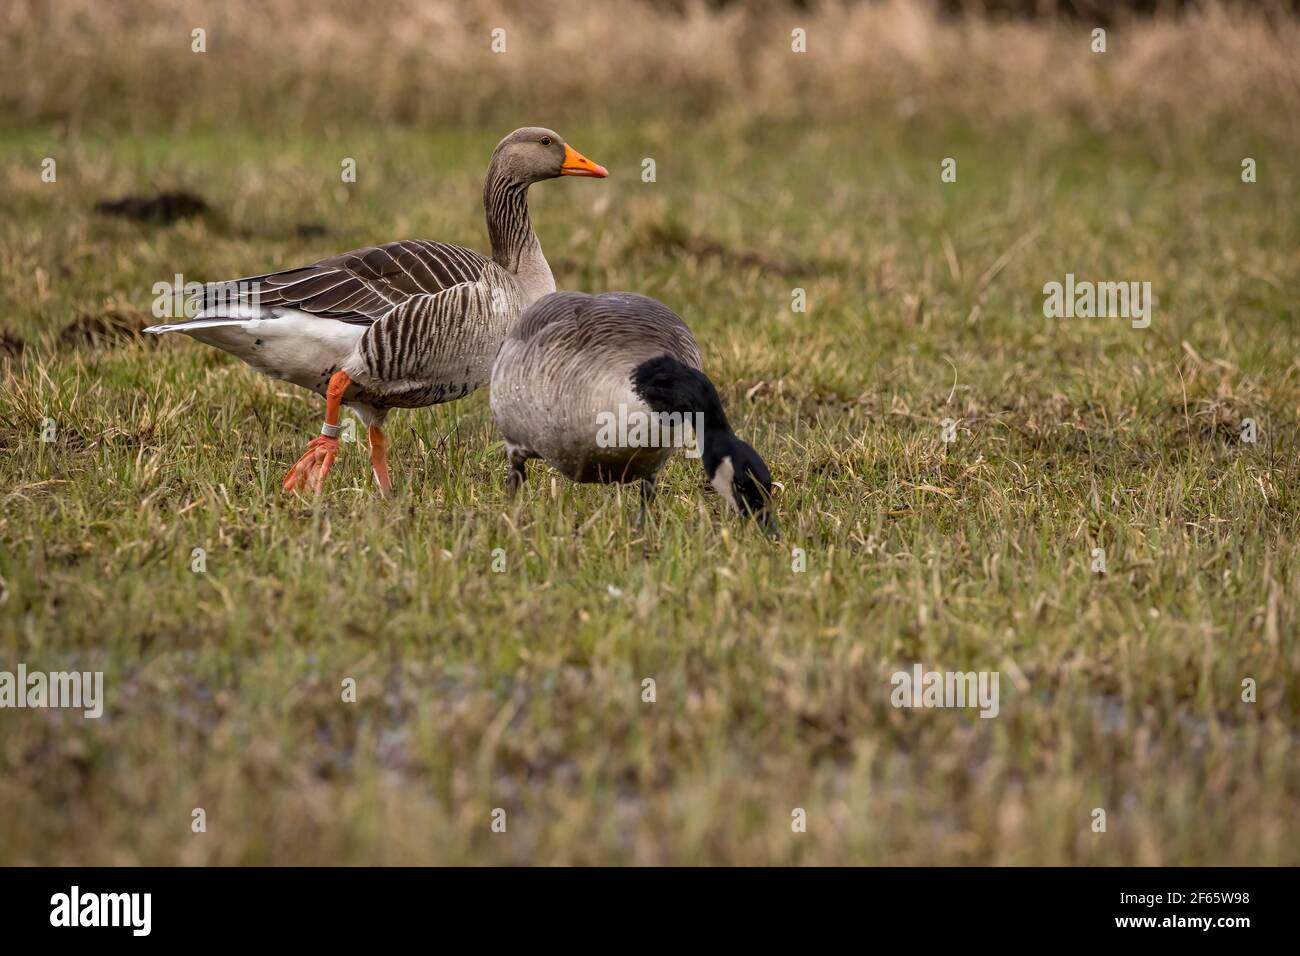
x,y
534,153
740,477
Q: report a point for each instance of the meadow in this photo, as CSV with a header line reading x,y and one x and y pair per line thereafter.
x,y
949,461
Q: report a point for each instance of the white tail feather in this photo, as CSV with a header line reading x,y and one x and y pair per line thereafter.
x,y
215,318
286,344
195,324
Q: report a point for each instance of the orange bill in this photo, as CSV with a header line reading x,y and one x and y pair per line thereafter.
x,y
575,164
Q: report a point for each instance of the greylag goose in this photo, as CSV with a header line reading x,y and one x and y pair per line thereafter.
x,y
600,386
402,325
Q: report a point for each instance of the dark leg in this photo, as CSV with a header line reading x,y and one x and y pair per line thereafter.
x,y
648,489
516,477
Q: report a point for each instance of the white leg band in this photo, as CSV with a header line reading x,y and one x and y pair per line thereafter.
x,y
331,431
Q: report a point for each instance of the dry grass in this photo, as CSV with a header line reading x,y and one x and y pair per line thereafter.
x,y
303,65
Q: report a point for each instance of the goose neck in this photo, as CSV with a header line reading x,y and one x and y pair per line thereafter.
x,y
514,243
505,201
716,443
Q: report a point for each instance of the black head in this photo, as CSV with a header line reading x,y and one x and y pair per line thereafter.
x,y
741,479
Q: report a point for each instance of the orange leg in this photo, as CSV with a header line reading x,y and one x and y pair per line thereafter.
x,y
379,458
314,465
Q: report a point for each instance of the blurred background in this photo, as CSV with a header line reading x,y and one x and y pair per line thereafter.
x,y
306,65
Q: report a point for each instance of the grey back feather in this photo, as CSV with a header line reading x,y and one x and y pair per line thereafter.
x,y
569,359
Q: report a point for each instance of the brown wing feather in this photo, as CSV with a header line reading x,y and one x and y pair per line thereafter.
x,y
364,285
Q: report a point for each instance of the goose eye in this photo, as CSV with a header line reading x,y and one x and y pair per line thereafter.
x,y
546,141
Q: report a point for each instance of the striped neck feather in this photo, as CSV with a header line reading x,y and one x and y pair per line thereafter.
x,y
514,243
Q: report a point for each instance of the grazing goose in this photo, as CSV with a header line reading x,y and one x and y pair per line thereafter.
x,y
578,381
402,325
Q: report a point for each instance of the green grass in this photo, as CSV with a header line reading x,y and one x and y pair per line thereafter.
x,y
522,689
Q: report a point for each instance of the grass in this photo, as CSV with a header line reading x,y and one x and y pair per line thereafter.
x,y
522,690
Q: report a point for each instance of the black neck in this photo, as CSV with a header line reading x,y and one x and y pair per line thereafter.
x,y
718,443
668,385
